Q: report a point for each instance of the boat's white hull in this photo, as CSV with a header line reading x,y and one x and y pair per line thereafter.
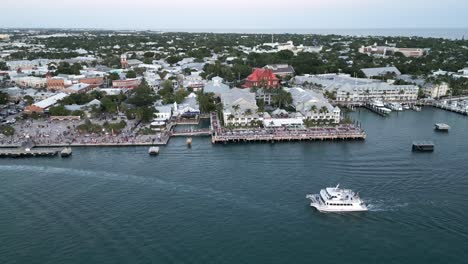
x,y
326,209
321,207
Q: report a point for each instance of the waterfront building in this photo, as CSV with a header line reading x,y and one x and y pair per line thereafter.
x,y
188,108
239,107
164,112
435,90
358,90
314,106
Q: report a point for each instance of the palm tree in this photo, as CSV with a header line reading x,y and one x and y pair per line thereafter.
x,y
323,109
248,112
236,108
313,108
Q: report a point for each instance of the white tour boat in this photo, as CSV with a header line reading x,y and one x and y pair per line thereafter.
x,y
335,199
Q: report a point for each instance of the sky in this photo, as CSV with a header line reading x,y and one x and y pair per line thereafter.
x,y
233,14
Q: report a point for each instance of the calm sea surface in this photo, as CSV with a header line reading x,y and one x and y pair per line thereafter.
x,y
448,33
245,203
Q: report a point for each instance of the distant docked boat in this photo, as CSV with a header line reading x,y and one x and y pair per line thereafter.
x,y
417,108
153,151
395,106
189,141
66,152
385,110
423,146
335,199
406,107
377,103
442,127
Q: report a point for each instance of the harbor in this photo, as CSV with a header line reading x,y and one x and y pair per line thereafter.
x,y
244,193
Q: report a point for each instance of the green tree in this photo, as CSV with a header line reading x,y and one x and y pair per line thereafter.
x,y
131,74
3,66
323,110
7,130
59,110
29,100
173,59
207,102
143,96
180,95
4,98
114,76
282,98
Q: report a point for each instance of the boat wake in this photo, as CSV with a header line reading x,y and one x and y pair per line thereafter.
x,y
242,201
385,206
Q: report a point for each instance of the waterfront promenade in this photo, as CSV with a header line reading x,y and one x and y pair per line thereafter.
x,y
64,133
54,134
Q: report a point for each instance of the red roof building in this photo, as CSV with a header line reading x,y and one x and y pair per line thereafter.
x,y
262,77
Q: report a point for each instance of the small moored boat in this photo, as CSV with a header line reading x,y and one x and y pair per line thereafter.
x,y
153,151
66,152
442,127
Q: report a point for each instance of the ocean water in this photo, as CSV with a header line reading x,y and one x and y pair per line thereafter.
x,y
447,33
245,203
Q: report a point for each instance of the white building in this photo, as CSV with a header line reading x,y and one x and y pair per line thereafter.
x,y
239,107
30,81
164,112
314,106
358,90
188,108
436,90
216,86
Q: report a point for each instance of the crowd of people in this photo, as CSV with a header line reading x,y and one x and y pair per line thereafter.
x,y
49,133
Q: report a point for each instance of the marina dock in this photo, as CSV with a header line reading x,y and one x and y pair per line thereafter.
x,y
29,149
451,108
282,135
375,109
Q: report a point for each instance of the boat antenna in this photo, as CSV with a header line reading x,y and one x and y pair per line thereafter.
x,y
337,186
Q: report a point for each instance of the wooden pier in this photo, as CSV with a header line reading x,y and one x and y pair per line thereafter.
x,y
192,133
311,134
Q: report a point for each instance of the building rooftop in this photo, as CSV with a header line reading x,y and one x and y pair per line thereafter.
x,y
372,72
50,101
